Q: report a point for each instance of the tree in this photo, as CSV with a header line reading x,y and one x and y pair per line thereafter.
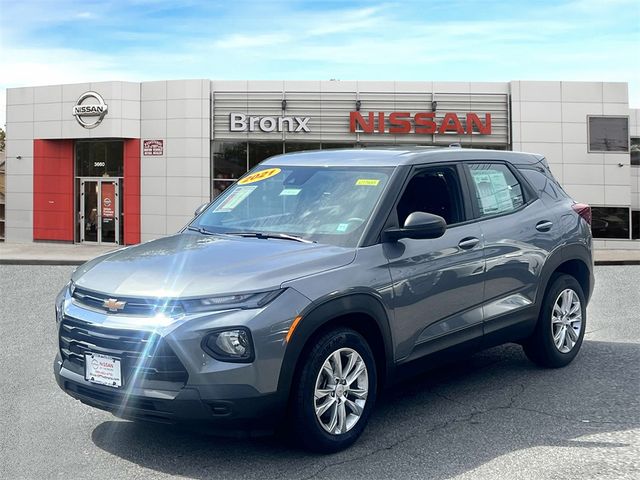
x,y
1,139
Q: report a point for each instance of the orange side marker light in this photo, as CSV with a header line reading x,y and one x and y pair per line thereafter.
x,y
293,326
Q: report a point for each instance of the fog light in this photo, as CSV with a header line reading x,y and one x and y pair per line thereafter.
x,y
232,345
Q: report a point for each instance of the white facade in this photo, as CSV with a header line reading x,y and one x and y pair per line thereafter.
x,y
173,185
191,117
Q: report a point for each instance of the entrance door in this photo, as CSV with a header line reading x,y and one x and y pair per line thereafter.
x,y
99,207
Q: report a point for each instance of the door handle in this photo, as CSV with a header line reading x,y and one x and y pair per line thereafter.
x,y
468,242
544,226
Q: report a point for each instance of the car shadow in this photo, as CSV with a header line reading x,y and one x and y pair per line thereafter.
x,y
447,422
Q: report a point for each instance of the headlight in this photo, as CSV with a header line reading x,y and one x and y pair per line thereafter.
x,y
60,300
226,302
229,345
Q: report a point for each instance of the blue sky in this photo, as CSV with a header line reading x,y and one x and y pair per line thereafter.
x,y
62,41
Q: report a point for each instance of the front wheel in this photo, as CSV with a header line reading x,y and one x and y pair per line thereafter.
x,y
336,392
561,325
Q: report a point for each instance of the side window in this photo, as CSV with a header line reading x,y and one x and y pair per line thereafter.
x,y
497,189
433,190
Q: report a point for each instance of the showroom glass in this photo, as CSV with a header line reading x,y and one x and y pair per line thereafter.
x,y
99,158
259,151
290,147
635,151
327,205
635,224
497,189
229,160
608,134
610,222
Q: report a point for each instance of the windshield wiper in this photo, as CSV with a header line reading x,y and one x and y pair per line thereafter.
x,y
201,230
264,236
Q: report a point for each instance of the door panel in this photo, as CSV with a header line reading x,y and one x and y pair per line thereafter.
x,y
515,253
437,288
519,232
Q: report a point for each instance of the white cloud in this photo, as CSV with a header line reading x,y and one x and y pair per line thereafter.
x,y
572,40
251,41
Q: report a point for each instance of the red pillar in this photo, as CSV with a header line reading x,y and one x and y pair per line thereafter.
x,y
53,211
131,191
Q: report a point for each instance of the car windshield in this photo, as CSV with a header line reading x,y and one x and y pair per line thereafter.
x,y
320,204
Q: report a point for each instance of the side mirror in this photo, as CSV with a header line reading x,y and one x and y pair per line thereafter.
x,y
200,209
418,225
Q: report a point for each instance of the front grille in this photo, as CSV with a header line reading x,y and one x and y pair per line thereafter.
x,y
143,355
132,306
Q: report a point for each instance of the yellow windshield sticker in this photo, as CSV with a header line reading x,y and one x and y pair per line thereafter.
x,y
258,176
367,181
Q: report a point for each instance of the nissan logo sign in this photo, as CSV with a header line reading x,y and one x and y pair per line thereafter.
x,y
89,114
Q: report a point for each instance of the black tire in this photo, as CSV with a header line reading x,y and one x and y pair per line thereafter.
x,y
540,348
304,425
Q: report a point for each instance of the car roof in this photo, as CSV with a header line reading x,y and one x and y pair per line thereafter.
x,y
396,156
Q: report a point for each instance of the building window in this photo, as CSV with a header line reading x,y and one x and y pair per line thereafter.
x,y
328,145
635,224
100,158
229,164
290,147
635,151
220,186
608,134
259,151
229,160
610,222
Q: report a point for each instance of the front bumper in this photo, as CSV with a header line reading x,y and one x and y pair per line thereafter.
x,y
236,414
220,397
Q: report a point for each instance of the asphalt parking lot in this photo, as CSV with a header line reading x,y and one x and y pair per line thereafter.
x,y
494,415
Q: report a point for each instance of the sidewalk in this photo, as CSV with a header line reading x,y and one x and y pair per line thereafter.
x,y
49,253
68,254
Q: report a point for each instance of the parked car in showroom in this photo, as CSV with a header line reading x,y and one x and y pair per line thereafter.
x,y
318,279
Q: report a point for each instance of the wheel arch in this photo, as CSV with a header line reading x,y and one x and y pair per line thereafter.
x,y
574,260
363,312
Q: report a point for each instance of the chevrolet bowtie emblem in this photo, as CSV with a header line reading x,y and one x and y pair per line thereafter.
x,y
113,304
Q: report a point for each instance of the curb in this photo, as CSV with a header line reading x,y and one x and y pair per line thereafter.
x,y
616,262
20,261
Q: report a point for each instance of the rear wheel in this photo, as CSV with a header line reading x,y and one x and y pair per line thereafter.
x,y
560,329
335,392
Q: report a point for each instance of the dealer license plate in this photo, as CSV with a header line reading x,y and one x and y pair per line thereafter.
x,y
102,369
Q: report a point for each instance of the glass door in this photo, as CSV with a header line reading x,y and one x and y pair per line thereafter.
x,y
108,216
99,207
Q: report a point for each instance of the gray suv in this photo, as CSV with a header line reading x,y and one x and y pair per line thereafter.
x,y
318,279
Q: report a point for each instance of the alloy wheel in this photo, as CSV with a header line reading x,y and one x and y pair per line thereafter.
x,y
341,391
566,320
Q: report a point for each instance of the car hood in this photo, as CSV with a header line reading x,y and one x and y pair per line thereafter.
x,y
191,265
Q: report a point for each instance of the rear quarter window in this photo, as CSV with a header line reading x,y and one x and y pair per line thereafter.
x,y
545,184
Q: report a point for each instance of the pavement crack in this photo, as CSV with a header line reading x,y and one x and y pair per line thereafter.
x,y
391,446
573,419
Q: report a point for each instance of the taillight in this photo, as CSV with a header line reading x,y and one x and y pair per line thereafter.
x,y
583,210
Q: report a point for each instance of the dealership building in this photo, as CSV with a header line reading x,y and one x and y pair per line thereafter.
x,y
124,162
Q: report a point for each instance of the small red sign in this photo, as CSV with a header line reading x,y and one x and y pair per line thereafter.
x,y
152,148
